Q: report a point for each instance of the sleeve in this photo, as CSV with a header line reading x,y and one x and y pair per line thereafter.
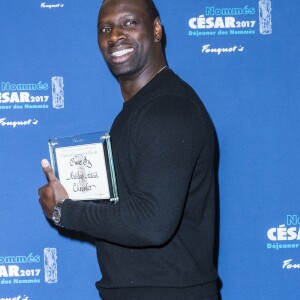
x,y
169,135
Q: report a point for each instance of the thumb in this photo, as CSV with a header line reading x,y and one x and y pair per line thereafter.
x,y
48,170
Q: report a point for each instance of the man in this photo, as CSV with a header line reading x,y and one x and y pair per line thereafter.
x,y
157,241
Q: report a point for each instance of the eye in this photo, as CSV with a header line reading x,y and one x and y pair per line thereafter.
x,y
129,23
104,29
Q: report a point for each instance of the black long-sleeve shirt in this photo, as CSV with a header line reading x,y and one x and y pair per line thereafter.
x,y
157,241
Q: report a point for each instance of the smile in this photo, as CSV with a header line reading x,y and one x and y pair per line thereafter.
x,y
121,52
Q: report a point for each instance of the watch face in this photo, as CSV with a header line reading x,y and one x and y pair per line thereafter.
x,y
56,215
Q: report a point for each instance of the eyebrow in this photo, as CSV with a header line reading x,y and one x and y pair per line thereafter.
x,y
126,15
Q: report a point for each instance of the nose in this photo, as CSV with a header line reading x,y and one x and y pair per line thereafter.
x,y
116,34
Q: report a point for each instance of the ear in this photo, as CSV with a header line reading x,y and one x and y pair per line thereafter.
x,y
157,29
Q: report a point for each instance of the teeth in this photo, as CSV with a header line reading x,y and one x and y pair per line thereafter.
x,y
121,52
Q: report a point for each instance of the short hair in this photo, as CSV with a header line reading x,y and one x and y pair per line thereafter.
x,y
152,10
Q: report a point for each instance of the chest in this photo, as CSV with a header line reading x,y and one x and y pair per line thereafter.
x,y
125,150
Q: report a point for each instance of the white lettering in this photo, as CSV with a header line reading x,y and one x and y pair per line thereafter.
x,y
44,5
287,264
283,234
3,122
207,49
3,271
211,22
13,271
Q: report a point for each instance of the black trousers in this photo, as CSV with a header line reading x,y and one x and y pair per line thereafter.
x,y
215,297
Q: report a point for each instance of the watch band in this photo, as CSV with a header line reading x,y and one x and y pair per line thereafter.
x,y
56,214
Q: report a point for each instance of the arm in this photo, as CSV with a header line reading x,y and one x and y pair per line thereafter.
x,y
169,140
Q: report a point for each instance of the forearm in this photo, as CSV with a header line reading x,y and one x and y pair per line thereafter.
x,y
139,220
154,172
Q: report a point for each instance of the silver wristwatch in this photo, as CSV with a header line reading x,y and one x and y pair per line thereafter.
x,y
56,215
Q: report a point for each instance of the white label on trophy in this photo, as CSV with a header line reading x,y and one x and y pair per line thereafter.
x,y
82,171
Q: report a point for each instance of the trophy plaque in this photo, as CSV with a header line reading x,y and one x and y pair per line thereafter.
x,y
84,166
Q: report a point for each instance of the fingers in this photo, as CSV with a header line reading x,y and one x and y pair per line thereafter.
x,y
51,193
48,170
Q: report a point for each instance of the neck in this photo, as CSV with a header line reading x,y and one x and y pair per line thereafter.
x,y
131,85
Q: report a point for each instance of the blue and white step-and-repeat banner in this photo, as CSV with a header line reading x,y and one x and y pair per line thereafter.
x,y
241,56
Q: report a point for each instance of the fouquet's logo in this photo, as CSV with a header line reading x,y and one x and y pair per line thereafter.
x,y
24,297
50,6
285,236
289,264
13,123
219,50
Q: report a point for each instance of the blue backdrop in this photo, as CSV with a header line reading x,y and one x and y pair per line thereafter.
x,y
242,57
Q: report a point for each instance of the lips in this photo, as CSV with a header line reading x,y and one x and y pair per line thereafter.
x,y
120,56
121,52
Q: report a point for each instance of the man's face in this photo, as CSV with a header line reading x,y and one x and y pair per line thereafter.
x,y
126,36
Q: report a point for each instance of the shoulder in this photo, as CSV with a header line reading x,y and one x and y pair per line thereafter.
x,y
169,91
169,98
165,105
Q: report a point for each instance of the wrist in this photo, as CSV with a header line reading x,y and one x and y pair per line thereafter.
x,y
56,214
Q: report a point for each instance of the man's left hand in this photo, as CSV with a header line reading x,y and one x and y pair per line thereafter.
x,y
51,193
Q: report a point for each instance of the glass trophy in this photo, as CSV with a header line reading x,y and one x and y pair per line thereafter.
x,y
84,166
